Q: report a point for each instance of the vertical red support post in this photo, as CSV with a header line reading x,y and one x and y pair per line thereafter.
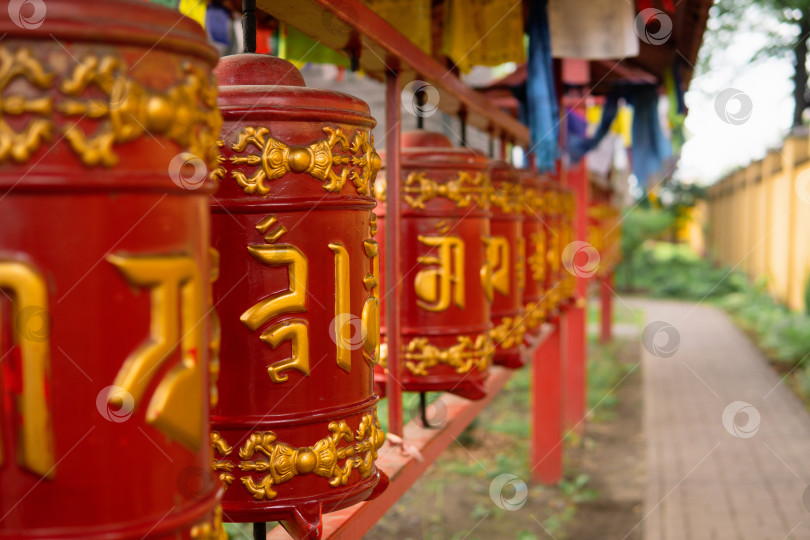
x,y
393,252
606,301
573,321
546,452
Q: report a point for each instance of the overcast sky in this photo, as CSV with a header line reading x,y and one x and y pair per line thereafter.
x,y
714,146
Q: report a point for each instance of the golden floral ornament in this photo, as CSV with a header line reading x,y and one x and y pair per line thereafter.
x,y
464,190
281,462
19,145
318,160
420,355
222,466
509,332
121,108
186,113
534,313
533,202
507,197
210,530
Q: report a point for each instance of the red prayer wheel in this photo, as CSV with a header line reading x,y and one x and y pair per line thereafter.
x,y
604,233
444,275
505,254
295,432
569,251
552,218
103,332
536,233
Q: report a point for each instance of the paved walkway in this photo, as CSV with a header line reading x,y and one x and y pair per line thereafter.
x,y
703,482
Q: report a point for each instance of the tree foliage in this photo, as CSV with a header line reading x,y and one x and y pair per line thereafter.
x,y
786,39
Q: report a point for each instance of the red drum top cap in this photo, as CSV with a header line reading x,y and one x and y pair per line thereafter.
x,y
268,88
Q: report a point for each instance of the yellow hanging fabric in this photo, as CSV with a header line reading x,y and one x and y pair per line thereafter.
x,y
410,17
623,125
194,9
483,32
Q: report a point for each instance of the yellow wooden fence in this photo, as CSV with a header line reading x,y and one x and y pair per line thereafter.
x,y
757,220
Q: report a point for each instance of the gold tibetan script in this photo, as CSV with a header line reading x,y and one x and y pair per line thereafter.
x,y
29,292
495,272
537,260
438,287
370,316
292,301
177,318
520,263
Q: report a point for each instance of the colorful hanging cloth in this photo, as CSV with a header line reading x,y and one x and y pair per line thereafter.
x,y
483,32
592,29
650,147
300,49
410,17
194,9
578,146
218,25
543,110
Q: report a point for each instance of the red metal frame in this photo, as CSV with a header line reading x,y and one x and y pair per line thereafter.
x,y
393,253
574,320
546,450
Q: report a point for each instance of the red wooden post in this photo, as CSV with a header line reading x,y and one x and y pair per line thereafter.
x,y
393,251
546,452
606,301
574,319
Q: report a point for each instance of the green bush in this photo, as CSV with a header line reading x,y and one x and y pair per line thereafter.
x,y
668,270
639,225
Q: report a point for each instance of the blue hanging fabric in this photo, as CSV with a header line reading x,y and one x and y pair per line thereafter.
x,y
579,146
576,130
650,147
218,25
543,109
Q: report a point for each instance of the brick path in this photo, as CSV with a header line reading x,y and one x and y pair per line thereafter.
x,y
702,482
